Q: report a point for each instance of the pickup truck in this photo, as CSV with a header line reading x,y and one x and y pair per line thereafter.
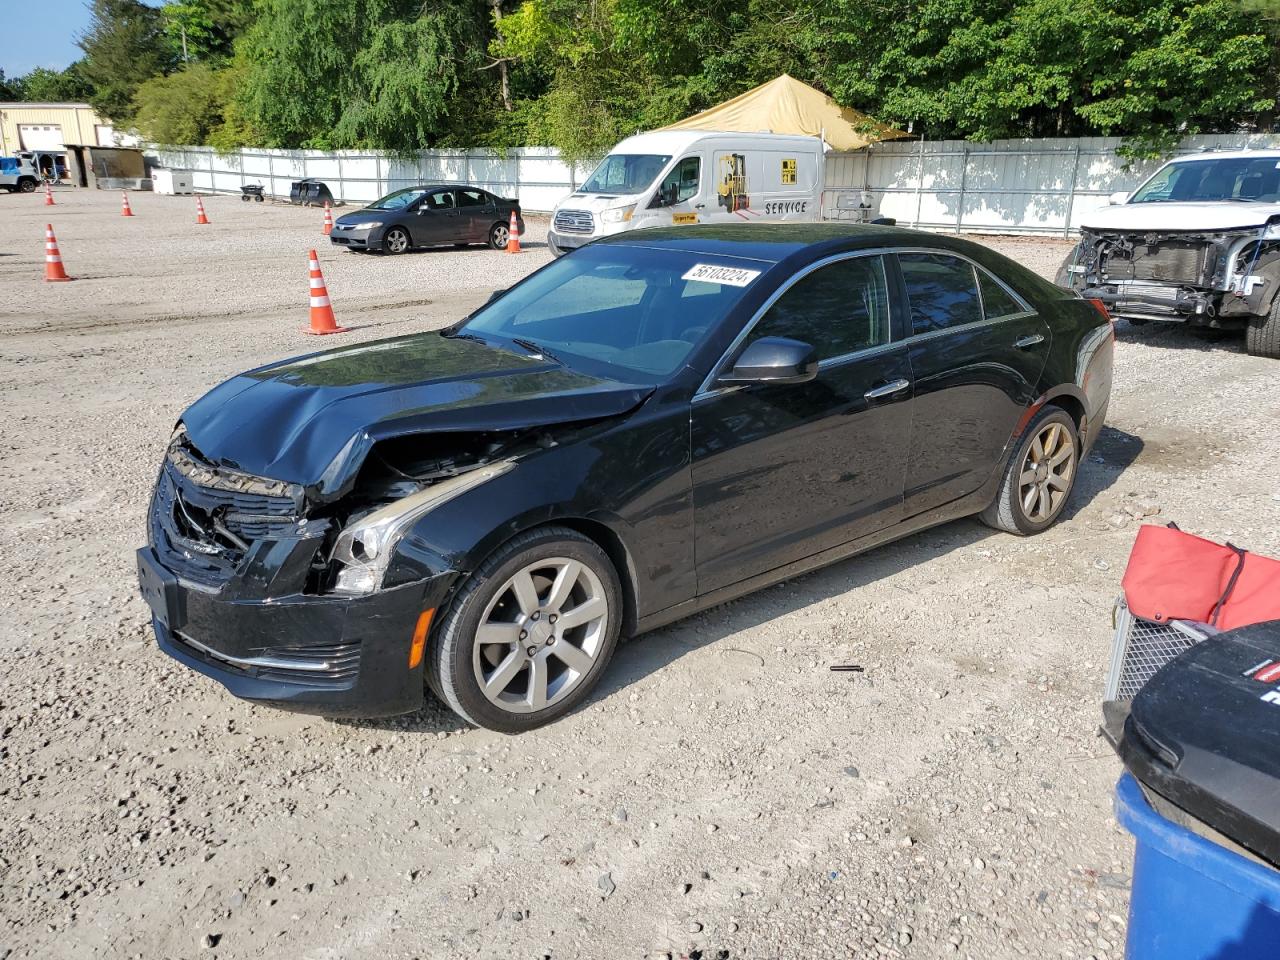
x,y
18,174
1198,243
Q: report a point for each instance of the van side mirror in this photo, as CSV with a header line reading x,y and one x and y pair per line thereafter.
x,y
774,360
1118,198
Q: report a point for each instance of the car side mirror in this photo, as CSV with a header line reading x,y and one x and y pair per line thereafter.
x,y
423,209
774,360
1118,198
495,295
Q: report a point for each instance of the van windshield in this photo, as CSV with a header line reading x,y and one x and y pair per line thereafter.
x,y
625,173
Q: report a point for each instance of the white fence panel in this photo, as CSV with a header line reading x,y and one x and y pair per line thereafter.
x,y
1009,186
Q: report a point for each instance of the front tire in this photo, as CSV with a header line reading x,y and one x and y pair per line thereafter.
x,y
1262,336
396,241
1040,476
530,634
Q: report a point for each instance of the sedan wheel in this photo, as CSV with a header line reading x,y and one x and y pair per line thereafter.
x,y
1040,476
396,241
530,634
499,235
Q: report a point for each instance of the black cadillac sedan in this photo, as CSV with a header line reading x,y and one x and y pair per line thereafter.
x,y
428,216
656,423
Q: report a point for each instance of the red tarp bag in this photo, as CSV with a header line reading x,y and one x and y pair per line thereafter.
x,y
1176,576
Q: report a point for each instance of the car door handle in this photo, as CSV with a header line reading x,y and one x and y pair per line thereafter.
x,y
886,389
1030,340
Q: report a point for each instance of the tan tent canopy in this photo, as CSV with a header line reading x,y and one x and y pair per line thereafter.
x,y
786,105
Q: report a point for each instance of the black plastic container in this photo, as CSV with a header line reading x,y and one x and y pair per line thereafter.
x,y
1203,738
310,192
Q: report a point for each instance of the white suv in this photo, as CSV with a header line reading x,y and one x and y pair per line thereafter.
x,y
1198,243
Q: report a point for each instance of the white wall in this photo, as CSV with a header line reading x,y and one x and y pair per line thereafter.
x,y
1009,186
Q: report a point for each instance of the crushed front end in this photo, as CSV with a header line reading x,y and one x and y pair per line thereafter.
x,y
240,576
1215,278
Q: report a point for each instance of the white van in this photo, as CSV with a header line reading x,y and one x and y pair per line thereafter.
x,y
693,176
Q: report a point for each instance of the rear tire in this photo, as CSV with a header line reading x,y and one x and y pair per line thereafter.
x,y
499,234
1039,477
27,185
1262,336
516,596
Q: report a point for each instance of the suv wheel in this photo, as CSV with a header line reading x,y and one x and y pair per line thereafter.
x,y
27,185
530,633
1040,476
1262,336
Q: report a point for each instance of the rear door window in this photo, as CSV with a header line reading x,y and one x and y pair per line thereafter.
x,y
472,198
838,309
942,290
997,302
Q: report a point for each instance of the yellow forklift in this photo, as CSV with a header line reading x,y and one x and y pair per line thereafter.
x,y
732,187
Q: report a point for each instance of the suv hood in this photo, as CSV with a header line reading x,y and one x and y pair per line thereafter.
x,y
1170,217
312,420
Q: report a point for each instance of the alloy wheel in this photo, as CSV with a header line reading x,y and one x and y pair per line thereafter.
x,y
397,241
540,635
501,234
1044,480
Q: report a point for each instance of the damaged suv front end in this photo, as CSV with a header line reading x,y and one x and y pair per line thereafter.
x,y
1198,243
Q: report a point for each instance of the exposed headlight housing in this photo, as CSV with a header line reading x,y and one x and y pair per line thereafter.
x,y
618,214
365,546
364,225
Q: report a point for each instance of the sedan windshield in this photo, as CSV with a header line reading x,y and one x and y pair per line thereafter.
x,y
627,313
1225,178
398,200
625,173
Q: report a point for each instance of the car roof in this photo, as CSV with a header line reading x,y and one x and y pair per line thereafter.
x,y
1228,155
773,242
442,186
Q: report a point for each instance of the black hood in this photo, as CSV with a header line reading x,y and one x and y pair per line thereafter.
x,y
311,420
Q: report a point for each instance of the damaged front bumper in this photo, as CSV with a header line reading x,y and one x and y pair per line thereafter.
x,y
333,656
252,616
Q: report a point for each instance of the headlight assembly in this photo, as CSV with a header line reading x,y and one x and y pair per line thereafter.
x,y
364,548
366,225
618,214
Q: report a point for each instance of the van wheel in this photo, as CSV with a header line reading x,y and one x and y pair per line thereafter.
x,y
529,634
1262,336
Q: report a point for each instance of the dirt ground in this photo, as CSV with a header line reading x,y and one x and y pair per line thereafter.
x,y
723,791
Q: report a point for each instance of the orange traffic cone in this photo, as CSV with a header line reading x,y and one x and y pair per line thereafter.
x,y
53,269
200,217
322,319
125,211
48,195
328,219
513,235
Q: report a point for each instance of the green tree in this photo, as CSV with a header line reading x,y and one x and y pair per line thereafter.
x,y
125,47
349,73
201,30
42,85
184,107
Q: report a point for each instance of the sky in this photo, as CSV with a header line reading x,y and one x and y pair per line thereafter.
x,y
44,36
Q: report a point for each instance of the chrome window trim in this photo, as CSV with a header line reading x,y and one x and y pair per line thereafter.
x,y
706,389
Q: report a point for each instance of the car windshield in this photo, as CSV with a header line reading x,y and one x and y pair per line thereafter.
x,y
1224,178
398,200
627,313
625,173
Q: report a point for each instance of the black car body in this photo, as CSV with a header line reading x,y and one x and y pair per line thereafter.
x,y
715,457
427,216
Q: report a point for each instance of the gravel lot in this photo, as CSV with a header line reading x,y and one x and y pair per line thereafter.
x,y
723,791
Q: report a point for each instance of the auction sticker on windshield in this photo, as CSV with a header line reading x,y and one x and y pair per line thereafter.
x,y
713,273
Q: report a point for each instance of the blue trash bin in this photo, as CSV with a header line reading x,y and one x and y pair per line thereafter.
x,y
1193,899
